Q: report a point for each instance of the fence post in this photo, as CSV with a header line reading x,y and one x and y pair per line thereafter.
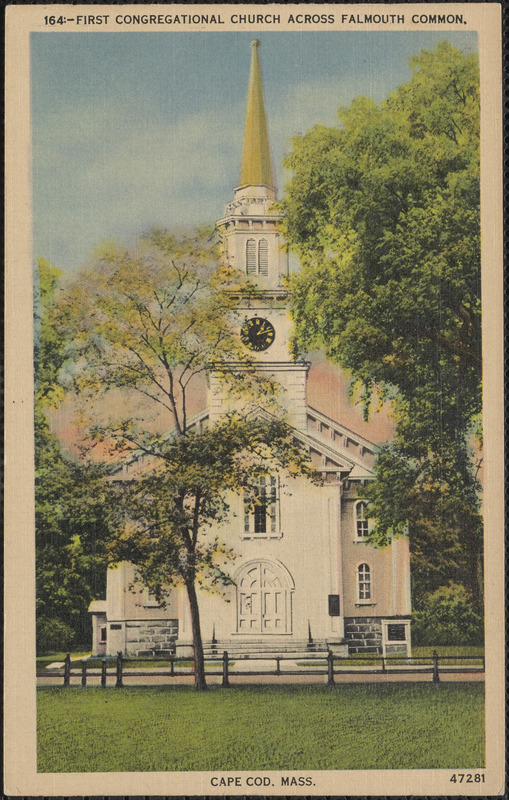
x,y
119,684
436,676
330,669
67,670
383,664
84,673
226,682
103,672
172,665
278,666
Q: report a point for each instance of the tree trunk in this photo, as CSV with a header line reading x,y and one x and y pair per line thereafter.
x,y
199,664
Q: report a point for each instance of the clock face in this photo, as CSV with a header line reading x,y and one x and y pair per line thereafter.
x,y
257,333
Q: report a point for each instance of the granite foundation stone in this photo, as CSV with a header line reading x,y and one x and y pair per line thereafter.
x,y
145,638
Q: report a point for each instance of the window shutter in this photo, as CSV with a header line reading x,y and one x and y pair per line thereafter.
x,y
263,257
251,257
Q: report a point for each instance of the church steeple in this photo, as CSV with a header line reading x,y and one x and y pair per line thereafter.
x,y
249,231
253,245
256,168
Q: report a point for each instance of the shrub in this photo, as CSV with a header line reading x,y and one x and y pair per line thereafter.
x,y
52,635
447,617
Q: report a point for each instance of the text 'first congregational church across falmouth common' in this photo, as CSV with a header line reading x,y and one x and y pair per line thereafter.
x,y
304,573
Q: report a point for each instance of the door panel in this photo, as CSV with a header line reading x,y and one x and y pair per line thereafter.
x,y
263,600
249,600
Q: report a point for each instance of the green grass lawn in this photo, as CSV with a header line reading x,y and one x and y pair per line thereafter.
x,y
133,663
173,728
417,652
50,658
442,650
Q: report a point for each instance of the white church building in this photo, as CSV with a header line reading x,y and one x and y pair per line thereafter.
x,y
304,572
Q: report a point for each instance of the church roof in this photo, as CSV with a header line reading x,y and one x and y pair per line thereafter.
x,y
333,448
256,168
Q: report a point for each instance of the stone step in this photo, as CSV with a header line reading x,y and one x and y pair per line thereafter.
x,y
262,650
269,657
266,645
244,649
267,642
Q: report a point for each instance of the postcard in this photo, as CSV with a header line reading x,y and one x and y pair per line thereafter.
x,y
254,400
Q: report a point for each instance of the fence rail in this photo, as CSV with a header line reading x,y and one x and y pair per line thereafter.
x,y
333,667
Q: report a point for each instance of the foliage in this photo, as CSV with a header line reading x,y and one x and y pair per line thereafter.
x,y
70,500
436,499
71,522
447,617
150,322
384,214
49,344
171,514
412,726
53,635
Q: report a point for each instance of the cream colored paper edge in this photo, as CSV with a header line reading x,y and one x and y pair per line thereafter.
x,y
21,777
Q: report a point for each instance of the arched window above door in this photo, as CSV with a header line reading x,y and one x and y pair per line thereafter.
x,y
261,508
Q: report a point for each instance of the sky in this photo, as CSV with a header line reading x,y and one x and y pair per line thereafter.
x,y
131,130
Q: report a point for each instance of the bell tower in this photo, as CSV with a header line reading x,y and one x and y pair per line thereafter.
x,y
249,229
254,246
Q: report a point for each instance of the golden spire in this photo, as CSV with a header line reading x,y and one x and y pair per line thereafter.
x,y
256,166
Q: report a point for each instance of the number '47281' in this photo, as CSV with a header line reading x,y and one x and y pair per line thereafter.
x,y
467,777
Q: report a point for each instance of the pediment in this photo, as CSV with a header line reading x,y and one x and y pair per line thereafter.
x,y
333,448
345,453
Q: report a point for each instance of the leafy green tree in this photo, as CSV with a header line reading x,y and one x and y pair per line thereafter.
x,y
149,323
448,617
70,499
71,522
49,344
384,213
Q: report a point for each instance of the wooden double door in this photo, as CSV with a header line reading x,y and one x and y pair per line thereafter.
x,y
264,599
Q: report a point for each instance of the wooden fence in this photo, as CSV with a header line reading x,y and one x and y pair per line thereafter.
x,y
334,666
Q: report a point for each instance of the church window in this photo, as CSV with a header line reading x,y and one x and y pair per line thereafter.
x,y
260,514
251,257
257,257
364,581
149,600
361,520
263,257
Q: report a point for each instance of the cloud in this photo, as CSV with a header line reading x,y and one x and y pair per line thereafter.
x,y
102,173
106,170
312,103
